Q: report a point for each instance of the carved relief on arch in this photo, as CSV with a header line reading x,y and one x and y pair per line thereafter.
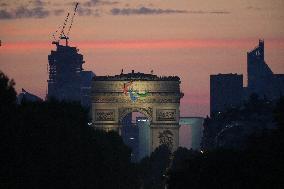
x,y
122,112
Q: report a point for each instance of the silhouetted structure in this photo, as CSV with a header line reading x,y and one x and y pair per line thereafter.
x,y
86,83
225,91
130,136
65,68
25,96
67,80
143,125
190,132
261,80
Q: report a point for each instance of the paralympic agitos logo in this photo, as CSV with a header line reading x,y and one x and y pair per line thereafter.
x,y
133,94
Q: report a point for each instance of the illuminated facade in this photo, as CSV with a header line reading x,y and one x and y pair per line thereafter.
x,y
158,98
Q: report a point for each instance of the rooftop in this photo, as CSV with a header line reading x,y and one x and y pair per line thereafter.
x,y
136,76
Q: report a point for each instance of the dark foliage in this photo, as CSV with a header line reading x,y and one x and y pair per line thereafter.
x,y
152,169
49,145
7,98
232,128
259,164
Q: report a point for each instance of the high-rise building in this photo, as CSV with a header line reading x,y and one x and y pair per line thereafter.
x,y
130,136
191,132
86,85
226,91
67,80
65,67
261,80
143,125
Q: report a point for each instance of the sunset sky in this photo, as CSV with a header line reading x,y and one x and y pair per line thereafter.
x,y
188,38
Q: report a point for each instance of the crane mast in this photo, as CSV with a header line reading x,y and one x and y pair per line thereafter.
x,y
62,32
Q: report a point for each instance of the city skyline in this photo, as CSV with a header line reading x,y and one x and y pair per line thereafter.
x,y
190,39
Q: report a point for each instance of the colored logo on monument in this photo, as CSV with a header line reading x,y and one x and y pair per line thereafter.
x,y
133,94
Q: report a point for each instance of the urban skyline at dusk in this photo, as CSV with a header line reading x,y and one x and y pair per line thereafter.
x,y
150,94
185,38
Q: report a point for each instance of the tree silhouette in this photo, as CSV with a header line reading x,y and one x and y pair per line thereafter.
x,y
7,98
258,163
50,145
7,91
152,169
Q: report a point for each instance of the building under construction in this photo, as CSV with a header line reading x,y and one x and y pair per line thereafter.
x,y
67,80
65,67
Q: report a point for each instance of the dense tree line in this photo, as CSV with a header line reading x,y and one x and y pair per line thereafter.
x,y
233,127
49,145
257,161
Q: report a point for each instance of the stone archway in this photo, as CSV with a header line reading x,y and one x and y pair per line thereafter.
x,y
158,98
122,112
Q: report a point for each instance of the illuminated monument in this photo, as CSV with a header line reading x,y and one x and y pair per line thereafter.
x,y
157,98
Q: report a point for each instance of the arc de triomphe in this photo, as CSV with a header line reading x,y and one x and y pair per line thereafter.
x,y
158,98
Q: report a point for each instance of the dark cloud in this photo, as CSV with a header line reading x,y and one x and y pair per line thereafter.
x,y
144,11
219,12
23,12
97,12
156,11
58,12
84,11
207,12
3,4
39,3
5,14
254,8
99,3
38,12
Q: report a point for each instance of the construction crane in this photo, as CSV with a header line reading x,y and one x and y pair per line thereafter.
x,y
62,32
72,19
56,41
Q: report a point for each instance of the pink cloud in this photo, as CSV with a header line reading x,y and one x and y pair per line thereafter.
x,y
145,44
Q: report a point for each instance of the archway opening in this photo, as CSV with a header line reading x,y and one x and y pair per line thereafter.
x,y
135,132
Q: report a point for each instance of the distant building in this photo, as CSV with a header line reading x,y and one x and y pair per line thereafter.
x,y
143,125
25,96
226,90
190,132
130,136
261,80
86,83
67,80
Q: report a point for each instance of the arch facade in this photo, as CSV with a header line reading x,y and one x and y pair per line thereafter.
x,y
158,98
